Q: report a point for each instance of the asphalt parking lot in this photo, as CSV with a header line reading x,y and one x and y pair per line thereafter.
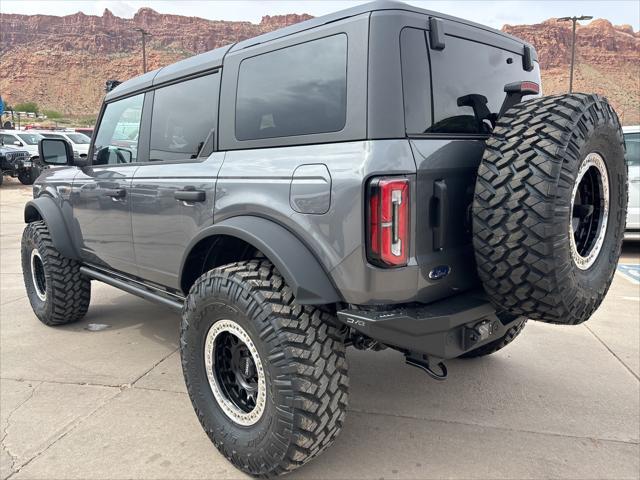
x,y
560,402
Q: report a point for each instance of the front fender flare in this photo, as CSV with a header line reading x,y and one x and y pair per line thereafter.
x,y
295,262
47,209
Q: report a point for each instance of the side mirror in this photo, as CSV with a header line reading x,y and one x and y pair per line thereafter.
x,y
55,151
18,143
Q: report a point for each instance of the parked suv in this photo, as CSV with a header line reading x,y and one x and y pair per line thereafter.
x,y
14,163
24,141
632,144
384,176
79,141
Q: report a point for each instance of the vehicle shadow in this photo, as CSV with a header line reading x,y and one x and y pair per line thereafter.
x,y
123,311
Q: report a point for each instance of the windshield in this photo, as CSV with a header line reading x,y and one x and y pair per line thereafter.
x,y
80,138
632,142
30,138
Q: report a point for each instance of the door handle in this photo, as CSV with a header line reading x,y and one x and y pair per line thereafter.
x,y
190,194
115,192
442,212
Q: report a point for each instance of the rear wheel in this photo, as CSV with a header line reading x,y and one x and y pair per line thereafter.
x,y
57,291
550,206
267,377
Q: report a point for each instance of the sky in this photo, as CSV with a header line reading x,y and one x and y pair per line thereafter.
x,y
492,13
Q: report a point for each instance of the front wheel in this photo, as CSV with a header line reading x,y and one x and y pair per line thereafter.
x,y
27,176
57,291
267,377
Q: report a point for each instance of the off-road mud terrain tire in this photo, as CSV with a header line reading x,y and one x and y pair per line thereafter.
x,y
538,156
67,292
27,177
499,344
302,355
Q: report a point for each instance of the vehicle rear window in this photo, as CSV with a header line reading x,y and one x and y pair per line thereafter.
x,y
298,90
416,80
465,82
632,143
183,119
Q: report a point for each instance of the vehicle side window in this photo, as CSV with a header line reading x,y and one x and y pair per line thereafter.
x,y
632,143
298,90
183,119
117,137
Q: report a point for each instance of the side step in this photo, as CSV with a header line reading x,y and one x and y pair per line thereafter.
x,y
136,288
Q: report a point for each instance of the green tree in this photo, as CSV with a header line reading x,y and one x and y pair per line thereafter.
x,y
26,107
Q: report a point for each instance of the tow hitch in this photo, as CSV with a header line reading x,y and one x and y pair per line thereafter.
x,y
424,362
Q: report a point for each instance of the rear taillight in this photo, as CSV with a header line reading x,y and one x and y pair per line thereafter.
x,y
388,229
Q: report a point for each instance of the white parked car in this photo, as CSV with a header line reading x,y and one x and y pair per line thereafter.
x,y
632,142
24,140
79,141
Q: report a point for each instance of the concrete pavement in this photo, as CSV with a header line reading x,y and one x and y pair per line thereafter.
x,y
560,402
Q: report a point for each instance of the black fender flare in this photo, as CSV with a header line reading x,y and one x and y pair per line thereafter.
x,y
295,262
48,210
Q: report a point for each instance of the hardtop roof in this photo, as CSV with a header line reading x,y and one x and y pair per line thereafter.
x,y
214,58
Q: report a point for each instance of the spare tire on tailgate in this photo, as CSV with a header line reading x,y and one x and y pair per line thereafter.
x,y
549,207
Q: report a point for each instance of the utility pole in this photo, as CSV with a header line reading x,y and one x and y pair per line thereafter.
x,y
144,34
574,20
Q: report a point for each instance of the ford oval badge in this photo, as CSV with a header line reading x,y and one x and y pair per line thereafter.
x,y
439,272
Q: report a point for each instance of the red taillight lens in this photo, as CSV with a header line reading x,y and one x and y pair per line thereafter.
x,y
388,232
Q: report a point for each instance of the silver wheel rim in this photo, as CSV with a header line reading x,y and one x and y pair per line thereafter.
x,y
589,211
225,401
37,275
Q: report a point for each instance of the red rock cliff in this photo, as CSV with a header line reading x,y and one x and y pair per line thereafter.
x,y
62,62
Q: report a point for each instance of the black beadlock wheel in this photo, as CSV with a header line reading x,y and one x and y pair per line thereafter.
x,y
58,292
550,206
267,377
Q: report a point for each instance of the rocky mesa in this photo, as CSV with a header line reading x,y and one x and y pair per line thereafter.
x,y
61,63
607,61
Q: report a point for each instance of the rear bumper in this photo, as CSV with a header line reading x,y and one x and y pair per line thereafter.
x,y
444,329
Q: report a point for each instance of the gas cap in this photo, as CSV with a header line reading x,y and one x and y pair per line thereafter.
x,y
310,189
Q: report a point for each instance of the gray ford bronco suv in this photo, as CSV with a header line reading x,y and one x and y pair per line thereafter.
x,y
384,176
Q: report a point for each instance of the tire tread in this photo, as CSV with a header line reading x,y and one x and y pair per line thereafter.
x,y
310,358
